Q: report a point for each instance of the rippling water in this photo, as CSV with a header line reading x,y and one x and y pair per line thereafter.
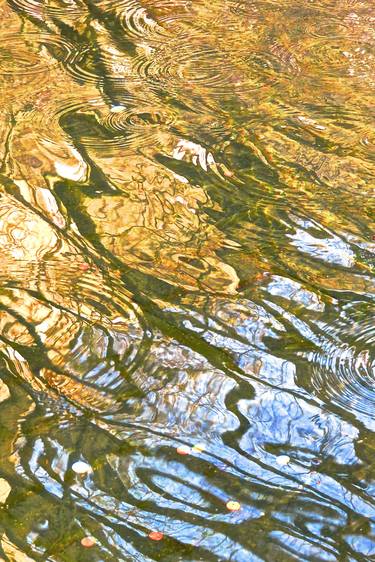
x,y
187,280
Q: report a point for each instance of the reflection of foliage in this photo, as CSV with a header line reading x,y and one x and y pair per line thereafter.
x,y
180,186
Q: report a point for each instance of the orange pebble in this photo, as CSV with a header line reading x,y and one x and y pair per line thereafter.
x,y
88,542
155,536
84,266
183,450
233,506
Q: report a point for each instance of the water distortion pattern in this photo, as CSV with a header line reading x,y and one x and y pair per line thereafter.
x,y
187,280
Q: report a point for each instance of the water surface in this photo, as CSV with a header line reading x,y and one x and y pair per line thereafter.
x,y
187,259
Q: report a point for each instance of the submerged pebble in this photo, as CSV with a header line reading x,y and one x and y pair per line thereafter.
x,y
233,506
282,460
84,266
88,542
81,467
183,450
155,536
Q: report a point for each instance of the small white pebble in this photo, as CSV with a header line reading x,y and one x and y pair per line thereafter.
x,y
282,460
81,467
183,450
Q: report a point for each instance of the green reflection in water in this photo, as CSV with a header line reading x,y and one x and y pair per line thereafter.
x,y
187,280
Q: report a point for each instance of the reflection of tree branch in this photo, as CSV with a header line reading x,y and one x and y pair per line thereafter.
x,y
7,142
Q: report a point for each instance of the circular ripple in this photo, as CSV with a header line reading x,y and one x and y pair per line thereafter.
x,y
196,67
135,126
39,9
327,54
80,65
345,372
28,53
172,13
36,53
137,23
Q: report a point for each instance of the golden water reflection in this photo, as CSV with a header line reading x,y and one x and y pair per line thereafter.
x,y
186,233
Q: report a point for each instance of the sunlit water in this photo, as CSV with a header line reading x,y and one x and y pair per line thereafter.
x,y
187,266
